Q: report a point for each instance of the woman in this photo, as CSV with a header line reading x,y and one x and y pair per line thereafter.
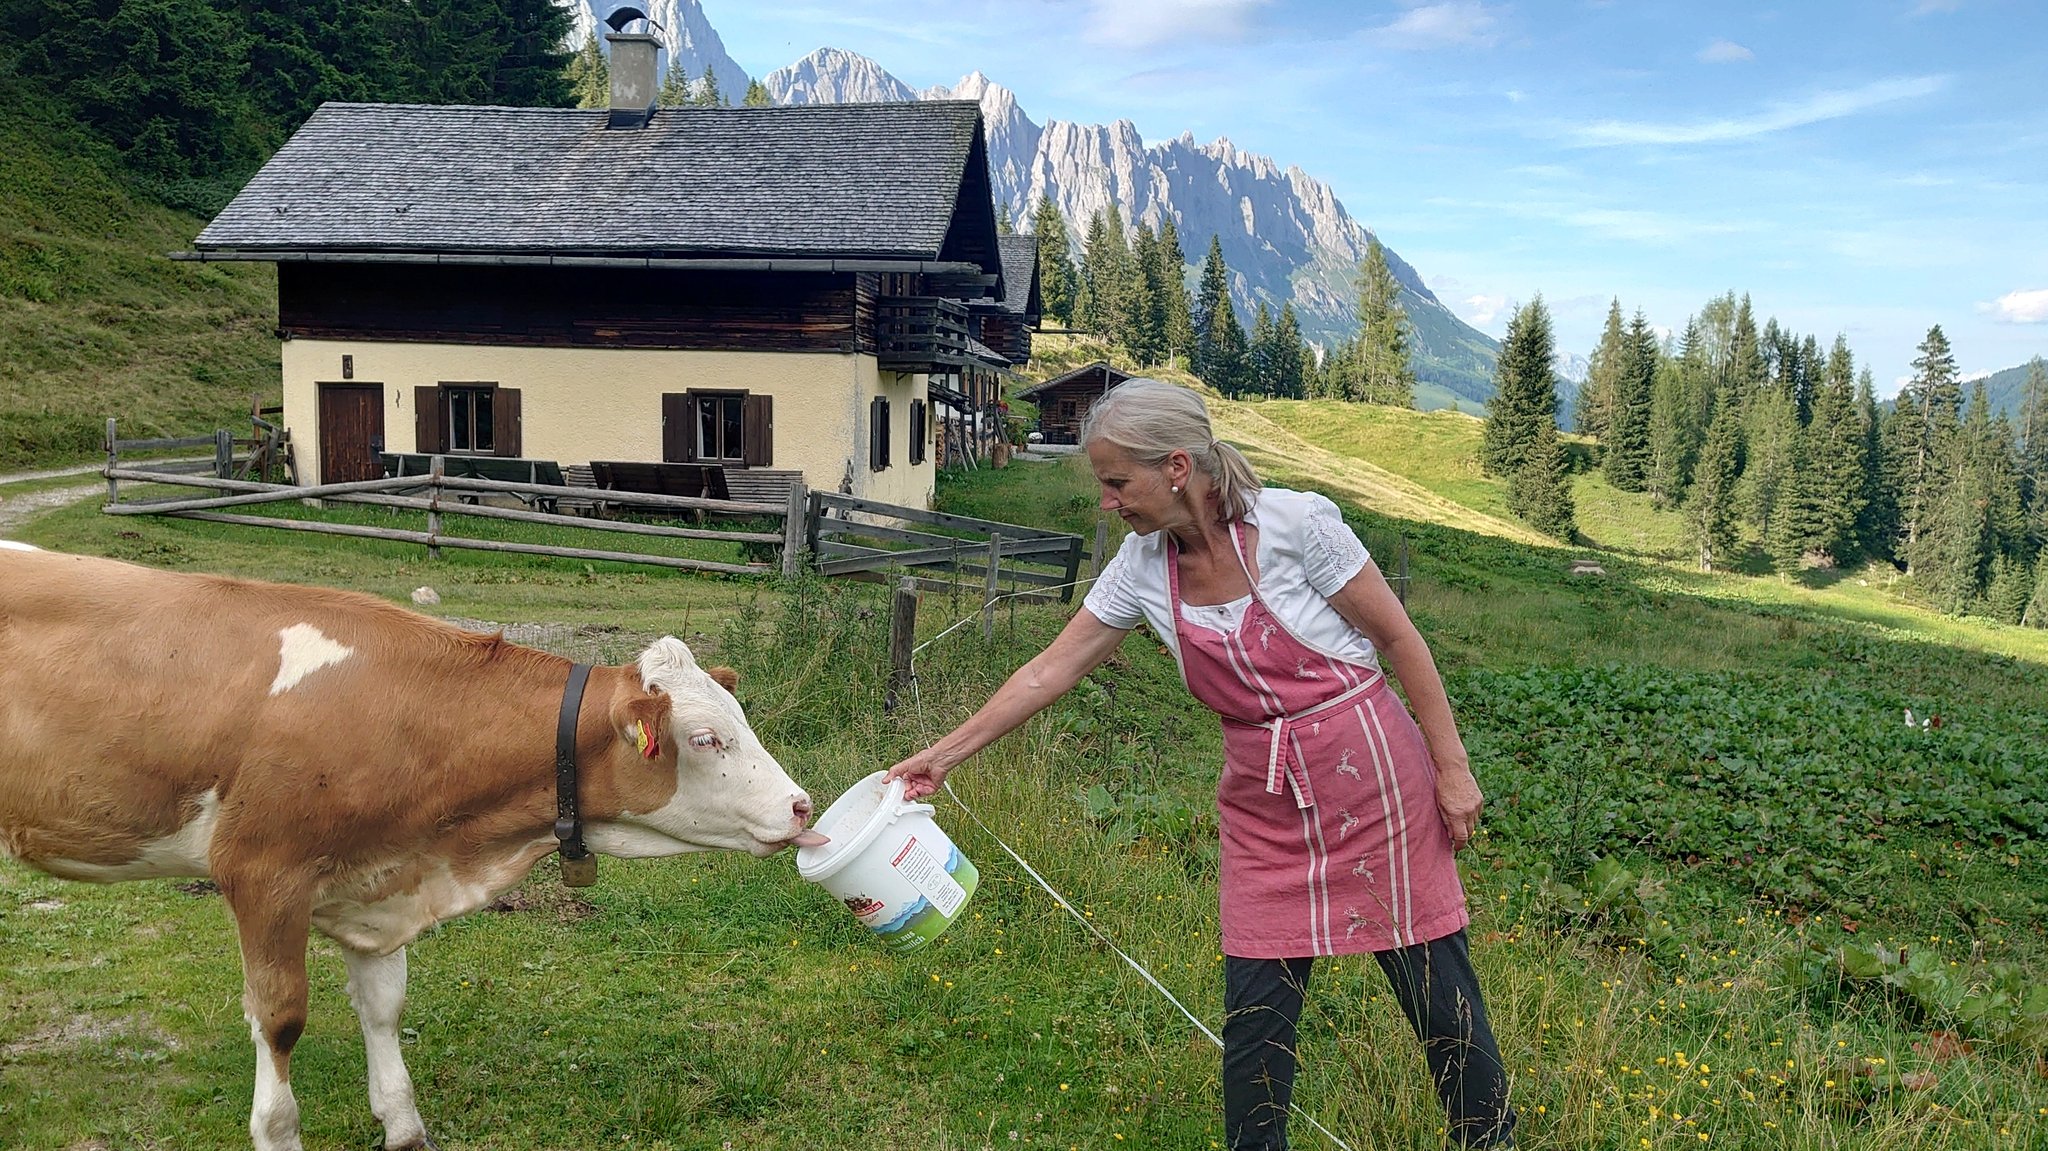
x,y
1338,823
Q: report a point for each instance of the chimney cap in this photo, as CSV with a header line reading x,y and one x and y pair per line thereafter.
x,y
621,17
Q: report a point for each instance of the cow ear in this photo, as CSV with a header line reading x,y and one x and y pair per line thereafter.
x,y
724,677
642,723
664,661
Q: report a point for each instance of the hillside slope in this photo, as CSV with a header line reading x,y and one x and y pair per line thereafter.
x,y
95,321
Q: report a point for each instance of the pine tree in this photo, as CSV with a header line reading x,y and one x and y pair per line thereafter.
x,y
1627,459
675,91
2012,585
1260,361
1230,355
1931,402
1837,454
1290,356
1596,395
2037,606
1710,503
1525,392
1748,369
1877,529
1540,491
1057,281
1950,553
708,95
590,76
757,95
1212,303
2033,451
1681,403
1172,274
1800,526
1770,428
1386,375
1146,315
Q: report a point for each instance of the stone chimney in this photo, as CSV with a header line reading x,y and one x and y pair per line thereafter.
x,y
632,69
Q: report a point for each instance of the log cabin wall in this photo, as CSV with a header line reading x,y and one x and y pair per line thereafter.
x,y
578,307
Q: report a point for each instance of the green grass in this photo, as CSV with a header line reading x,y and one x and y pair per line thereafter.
x,y
1706,811
95,321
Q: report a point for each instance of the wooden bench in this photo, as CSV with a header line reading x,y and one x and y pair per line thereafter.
x,y
508,469
762,485
701,481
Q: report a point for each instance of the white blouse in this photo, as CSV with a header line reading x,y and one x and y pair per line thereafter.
x,y
1306,553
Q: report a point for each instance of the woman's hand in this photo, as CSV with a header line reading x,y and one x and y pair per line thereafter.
x,y
1459,800
921,774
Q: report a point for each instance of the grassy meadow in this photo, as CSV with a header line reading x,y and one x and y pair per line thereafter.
x,y
1725,896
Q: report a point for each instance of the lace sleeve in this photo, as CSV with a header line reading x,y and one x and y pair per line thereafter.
x,y
1331,551
1113,600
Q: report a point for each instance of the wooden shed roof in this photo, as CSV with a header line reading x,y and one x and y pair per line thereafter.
x,y
883,182
1097,375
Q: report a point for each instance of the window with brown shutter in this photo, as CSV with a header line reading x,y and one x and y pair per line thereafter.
x,y
733,428
878,433
918,432
468,418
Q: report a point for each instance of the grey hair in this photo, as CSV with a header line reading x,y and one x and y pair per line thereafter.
x,y
1151,419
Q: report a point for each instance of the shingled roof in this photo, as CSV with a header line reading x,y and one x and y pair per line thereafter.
x,y
1020,275
899,181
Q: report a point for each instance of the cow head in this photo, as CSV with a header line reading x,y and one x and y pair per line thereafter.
x,y
692,774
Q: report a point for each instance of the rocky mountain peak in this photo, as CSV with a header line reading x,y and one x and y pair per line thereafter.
x,y
835,76
687,38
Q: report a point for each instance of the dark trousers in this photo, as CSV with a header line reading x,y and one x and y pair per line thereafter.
x,y
1438,993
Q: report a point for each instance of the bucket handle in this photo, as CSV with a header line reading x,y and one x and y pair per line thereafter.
x,y
893,795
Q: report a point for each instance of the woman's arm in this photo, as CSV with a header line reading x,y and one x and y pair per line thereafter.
x,y
1369,605
1085,642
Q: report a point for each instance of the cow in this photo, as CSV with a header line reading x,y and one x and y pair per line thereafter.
x,y
333,762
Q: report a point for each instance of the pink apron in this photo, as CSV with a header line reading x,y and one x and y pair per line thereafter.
x,y
1332,842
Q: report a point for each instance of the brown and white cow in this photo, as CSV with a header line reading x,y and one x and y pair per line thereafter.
x,y
334,762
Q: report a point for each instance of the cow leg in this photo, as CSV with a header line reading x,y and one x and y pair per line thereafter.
x,y
274,1002
376,986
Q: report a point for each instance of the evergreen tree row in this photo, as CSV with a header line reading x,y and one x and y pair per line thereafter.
x,y
1134,294
1761,434
195,94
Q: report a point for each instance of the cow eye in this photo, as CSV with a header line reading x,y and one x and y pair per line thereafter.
x,y
704,739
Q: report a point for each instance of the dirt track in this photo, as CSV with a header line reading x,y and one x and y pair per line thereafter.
x,y
17,509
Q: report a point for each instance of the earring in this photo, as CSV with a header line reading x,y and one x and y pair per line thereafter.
x,y
1176,490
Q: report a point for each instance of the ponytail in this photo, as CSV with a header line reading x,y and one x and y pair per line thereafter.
x,y
1151,420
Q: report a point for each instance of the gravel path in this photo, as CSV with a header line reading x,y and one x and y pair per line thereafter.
x,y
19,509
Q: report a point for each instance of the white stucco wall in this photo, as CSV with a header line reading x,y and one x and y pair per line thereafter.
x,y
581,404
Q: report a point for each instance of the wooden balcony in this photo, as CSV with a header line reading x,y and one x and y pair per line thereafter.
x,y
920,334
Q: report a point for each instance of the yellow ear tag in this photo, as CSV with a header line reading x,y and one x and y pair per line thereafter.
x,y
645,739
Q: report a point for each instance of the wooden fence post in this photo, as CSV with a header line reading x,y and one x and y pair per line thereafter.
x,y
436,472
1404,571
113,461
988,602
902,638
793,529
223,454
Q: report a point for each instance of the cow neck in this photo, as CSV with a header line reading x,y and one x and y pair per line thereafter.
x,y
579,867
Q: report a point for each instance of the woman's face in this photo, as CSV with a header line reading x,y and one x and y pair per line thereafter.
x,y
1141,495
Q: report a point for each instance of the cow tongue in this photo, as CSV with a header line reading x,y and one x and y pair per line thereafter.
x,y
811,839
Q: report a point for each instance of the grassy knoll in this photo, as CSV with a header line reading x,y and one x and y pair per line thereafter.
x,y
95,322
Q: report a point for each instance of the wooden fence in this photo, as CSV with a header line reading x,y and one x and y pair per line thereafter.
x,y
440,496
848,537
863,539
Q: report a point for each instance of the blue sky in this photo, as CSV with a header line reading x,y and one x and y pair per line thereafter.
x,y
1863,168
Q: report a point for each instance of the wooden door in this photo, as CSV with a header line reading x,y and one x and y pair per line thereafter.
x,y
351,432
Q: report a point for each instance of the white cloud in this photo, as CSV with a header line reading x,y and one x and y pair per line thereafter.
x,y
1821,106
2023,307
1725,52
1481,311
1446,25
1148,23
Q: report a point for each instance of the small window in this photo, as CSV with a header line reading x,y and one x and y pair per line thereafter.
x,y
919,434
469,420
721,426
878,433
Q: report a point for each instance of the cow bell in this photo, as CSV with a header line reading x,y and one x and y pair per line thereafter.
x,y
579,872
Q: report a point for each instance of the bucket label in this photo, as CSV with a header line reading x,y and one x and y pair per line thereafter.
x,y
926,872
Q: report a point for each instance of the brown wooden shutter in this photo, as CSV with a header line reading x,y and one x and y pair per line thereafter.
x,y
878,433
919,434
429,421
506,425
678,428
757,433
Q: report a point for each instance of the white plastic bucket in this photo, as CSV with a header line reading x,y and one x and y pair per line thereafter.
x,y
890,864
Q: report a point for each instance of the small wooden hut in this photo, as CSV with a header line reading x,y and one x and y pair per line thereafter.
x,y
1063,401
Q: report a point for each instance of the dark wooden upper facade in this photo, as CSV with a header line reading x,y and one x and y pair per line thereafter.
x,y
531,306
